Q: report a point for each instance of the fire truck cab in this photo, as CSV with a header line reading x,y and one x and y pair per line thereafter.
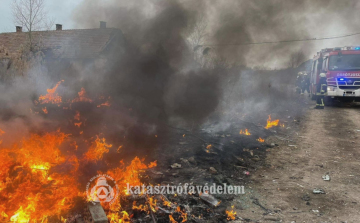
x,y
342,68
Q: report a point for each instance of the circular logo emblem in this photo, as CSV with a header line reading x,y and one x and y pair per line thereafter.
x,y
102,188
350,81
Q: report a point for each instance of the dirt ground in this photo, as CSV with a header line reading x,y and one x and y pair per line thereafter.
x,y
327,143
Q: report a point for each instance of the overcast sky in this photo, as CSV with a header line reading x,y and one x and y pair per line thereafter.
x,y
60,11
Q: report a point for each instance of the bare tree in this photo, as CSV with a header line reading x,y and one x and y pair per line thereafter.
x,y
32,16
296,59
197,36
199,33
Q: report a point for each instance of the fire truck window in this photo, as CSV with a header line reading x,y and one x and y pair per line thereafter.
x,y
327,64
344,62
319,66
324,64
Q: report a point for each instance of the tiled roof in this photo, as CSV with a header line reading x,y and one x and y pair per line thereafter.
x,y
67,44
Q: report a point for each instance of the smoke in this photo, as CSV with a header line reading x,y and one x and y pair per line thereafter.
x,y
154,76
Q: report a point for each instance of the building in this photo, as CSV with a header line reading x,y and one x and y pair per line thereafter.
x,y
76,45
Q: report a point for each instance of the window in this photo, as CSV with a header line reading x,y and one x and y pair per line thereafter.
x,y
344,62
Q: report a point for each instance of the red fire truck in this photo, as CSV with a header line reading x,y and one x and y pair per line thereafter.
x,y
342,68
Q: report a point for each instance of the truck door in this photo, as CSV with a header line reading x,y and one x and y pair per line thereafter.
x,y
313,73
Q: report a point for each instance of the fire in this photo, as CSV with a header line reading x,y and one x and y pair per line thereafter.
x,y
152,203
166,203
20,216
231,215
106,103
82,97
115,218
39,174
97,150
131,175
152,164
246,132
1,132
139,207
77,116
172,220
271,123
32,193
35,192
51,97
183,216
78,124
45,110
260,139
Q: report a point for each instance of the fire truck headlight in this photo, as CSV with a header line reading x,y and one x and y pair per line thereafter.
x,y
330,88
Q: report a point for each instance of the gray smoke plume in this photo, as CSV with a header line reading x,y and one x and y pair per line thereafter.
x,y
157,74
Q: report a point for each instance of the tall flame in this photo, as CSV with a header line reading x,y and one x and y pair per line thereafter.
x,y
39,174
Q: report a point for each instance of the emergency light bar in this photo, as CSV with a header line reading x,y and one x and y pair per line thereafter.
x,y
327,50
351,48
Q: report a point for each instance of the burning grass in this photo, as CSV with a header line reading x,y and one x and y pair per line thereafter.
x,y
39,175
271,123
51,97
246,132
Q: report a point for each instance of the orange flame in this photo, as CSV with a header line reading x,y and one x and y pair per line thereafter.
x,y
271,123
115,218
166,203
152,203
183,216
172,220
246,132
139,207
152,164
32,189
231,215
45,110
97,150
78,124
38,175
106,103
82,97
77,116
260,139
51,97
